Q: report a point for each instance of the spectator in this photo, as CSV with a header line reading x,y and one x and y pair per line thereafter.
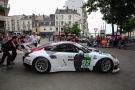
x,y
34,39
39,39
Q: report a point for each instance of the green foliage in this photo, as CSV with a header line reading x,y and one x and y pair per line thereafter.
x,y
129,25
74,29
114,11
67,28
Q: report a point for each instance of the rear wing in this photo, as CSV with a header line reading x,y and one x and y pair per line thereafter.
x,y
26,47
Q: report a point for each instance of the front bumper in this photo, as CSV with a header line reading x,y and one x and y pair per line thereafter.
x,y
25,64
116,69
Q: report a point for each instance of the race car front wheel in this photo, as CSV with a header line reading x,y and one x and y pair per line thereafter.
x,y
105,65
42,65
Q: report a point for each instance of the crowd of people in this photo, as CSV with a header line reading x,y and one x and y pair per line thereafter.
x,y
107,41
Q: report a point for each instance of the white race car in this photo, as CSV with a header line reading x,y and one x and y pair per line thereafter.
x,y
68,56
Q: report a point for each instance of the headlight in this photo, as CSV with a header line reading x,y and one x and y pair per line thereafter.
x,y
113,56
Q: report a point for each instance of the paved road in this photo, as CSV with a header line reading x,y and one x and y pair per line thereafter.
x,y
20,78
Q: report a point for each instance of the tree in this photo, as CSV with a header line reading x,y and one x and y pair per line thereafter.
x,y
75,29
129,25
67,28
114,11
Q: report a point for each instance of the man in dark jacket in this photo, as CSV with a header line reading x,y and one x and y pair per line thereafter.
x,y
9,46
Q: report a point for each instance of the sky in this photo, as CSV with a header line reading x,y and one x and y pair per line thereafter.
x,y
28,7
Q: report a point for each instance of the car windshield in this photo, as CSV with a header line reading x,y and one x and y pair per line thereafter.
x,y
82,47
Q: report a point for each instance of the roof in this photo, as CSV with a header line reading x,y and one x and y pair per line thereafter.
x,y
62,42
66,11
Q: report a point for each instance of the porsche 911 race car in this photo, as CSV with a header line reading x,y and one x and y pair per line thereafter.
x,y
68,56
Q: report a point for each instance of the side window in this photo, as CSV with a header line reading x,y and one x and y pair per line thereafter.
x,y
66,48
48,48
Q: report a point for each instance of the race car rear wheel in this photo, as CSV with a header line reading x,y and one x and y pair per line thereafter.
x,y
42,65
105,65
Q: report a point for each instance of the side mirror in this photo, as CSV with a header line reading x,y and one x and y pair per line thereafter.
x,y
81,52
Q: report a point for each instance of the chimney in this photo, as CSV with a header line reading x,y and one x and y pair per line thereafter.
x,y
33,17
43,16
67,9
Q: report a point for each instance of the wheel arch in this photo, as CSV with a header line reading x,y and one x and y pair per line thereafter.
x,y
37,58
97,63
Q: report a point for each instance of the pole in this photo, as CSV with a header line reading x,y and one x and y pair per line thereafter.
x,y
103,25
59,23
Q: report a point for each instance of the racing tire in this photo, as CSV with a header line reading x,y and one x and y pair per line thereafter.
x,y
41,65
105,65
27,66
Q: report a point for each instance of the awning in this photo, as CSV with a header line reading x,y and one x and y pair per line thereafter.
x,y
111,35
133,37
57,33
1,30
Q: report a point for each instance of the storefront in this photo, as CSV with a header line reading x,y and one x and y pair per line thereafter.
x,y
45,34
2,29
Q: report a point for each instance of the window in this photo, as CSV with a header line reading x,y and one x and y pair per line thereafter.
x,y
37,24
23,23
69,16
8,28
18,28
28,23
50,28
56,22
61,22
36,30
66,48
56,29
13,28
28,27
69,22
56,16
61,29
50,23
62,16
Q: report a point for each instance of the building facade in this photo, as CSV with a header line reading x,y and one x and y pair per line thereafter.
x,y
26,24
77,5
36,26
67,16
22,23
47,26
4,10
13,24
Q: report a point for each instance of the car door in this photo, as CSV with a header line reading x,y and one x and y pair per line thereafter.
x,y
66,53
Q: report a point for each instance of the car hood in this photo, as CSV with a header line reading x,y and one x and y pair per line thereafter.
x,y
100,53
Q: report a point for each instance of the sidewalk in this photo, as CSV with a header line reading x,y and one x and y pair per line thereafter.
x,y
129,46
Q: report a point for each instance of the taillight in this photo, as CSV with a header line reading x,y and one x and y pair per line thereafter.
x,y
26,55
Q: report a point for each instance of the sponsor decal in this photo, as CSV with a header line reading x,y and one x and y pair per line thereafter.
x,y
71,58
82,62
95,57
86,61
104,54
86,55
